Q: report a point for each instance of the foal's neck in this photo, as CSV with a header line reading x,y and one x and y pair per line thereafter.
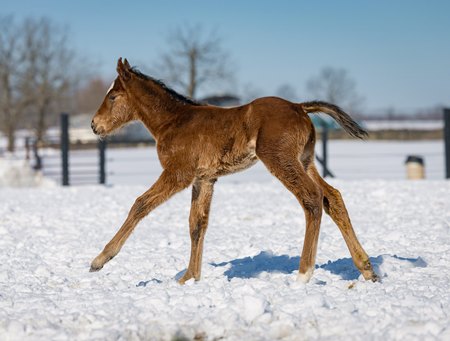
x,y
158,108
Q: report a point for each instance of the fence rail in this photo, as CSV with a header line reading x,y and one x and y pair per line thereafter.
x,y
72,170
66,163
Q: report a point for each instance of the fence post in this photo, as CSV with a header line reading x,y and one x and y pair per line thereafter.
x,y
64,144
447,142
102,161
37,157
27,148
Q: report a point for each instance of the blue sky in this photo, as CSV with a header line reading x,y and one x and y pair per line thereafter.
x,y
398,52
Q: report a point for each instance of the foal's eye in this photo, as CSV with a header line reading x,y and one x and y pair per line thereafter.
x,y
111,97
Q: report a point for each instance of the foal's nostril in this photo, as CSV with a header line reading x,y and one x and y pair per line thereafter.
x,y
93,127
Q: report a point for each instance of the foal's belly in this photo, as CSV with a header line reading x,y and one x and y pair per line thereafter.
x,y
237,163
230,163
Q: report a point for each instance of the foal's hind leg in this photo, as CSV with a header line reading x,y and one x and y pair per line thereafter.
x,y
290,172
334,206
202,191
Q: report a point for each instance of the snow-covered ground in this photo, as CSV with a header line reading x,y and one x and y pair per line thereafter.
x,y
374,125
48,236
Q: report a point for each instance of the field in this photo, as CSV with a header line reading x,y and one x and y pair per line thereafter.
x,y
248,291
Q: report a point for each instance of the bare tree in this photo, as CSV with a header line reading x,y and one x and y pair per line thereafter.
x,y
90,95
48,64
194,59
12,104
35,74
335,86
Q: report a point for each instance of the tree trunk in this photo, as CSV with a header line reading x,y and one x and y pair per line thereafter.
x,y
41,126
11,134
192,73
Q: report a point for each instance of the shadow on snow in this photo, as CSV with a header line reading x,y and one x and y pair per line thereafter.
x,y
266,261
250,267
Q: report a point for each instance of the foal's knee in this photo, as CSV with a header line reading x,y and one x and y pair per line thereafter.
x,y
139,208
312,202
332,201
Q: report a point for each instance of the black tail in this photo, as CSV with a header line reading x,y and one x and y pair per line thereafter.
x,y
341,117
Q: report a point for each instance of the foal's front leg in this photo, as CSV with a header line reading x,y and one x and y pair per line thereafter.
x,y
202,191
167,185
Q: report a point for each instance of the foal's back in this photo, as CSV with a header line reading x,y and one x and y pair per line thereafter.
x,y
220,141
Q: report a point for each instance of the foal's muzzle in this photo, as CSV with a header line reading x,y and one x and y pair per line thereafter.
x,y
93,127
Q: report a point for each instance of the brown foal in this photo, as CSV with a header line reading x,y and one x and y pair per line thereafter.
x,y
198,143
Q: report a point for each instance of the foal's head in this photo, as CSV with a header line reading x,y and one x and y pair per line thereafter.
x,y
117,109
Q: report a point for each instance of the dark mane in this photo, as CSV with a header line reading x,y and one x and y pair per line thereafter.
x,y
173,93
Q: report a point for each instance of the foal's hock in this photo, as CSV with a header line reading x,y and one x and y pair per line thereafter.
x,y
198,143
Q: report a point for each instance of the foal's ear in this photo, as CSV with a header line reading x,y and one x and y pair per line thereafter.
x,y
123,69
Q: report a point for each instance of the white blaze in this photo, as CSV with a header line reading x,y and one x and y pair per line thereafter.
x,y
110,87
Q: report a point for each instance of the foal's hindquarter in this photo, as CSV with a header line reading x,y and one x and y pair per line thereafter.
x,y
213,143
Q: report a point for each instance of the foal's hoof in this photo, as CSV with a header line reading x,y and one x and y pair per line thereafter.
x,y
96,265
183,280
371,276
95,268
305,277
375,278
186,277
368,273
100,260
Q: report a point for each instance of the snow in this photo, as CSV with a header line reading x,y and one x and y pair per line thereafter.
x,y
18,173
355,159
248,291
374,125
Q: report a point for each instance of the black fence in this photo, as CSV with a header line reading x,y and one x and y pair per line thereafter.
x,y
67,163
324,159
75,163
74,166
71,164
